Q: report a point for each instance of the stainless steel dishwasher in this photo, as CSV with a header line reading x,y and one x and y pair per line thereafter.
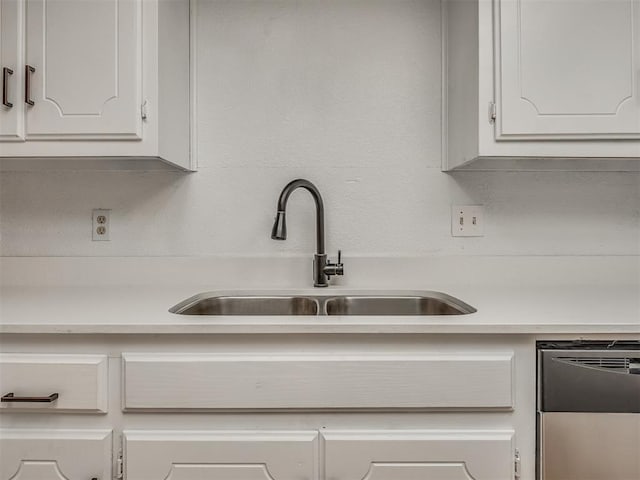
x,y
589,410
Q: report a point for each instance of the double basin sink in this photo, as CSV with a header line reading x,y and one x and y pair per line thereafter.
x,y
396,303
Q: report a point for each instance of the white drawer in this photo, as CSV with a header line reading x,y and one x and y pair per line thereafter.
x,y
80,382
323,381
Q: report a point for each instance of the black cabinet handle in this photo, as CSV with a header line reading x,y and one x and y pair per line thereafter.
x,y
10,397
6,71
28,70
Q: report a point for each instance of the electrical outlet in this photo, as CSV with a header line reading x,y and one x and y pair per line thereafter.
x,y
467,221
101,225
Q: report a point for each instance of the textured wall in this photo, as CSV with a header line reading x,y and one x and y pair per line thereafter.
x,y
347,94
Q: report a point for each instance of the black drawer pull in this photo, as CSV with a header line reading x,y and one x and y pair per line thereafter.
x,y
6,72
9,397
28,70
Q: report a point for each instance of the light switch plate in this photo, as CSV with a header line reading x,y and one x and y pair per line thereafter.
x,y
467,221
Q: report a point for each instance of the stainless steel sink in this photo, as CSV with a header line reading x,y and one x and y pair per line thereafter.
x,y
345,303
247,305
434,304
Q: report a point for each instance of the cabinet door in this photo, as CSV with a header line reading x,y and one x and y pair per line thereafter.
x,y
568,69
427,455
55,454
11,66
190,455
87,61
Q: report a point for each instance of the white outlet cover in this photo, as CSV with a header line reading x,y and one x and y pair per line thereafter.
x,y
101,225
467,221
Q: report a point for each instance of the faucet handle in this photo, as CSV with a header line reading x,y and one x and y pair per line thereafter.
x,y
331,268
339,265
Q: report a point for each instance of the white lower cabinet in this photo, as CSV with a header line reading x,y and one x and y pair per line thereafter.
x,y
315,410
298,455
419,454
191,455
27,454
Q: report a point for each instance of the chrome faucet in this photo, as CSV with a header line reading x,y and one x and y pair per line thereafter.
x,y
323,269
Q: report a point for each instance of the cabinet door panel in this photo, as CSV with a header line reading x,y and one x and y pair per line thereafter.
x,y
568,69
188,471
54,454
423,471
11,57
423,454
87,78
191,455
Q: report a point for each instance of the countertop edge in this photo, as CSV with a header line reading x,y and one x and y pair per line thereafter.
x,y
275,329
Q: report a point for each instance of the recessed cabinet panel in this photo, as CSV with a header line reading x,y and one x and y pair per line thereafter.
x,y
86,80
419,454
55,454
568,69
11,61
322,381
192,455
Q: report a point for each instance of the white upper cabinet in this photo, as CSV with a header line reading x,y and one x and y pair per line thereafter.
x,y
96,79
86,79
12,65
568,69
540,84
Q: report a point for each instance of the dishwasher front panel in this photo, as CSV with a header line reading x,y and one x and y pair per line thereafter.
x,y
590,446
589,410
590,380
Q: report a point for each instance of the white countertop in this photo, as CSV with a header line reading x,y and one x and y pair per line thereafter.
x,y
532,295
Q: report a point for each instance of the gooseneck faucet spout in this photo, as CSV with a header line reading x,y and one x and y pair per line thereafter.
x,y
322,268
279,231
